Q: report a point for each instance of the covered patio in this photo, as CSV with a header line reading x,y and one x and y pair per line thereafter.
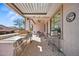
x,y
50,29
38,18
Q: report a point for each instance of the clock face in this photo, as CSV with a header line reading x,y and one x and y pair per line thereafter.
x,y
70,17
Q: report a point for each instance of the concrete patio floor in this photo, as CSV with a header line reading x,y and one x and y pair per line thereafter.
x,y
39,48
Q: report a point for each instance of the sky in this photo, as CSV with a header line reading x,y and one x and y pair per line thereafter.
x,y
7,15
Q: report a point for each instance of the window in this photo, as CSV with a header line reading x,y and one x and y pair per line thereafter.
x,y
56,23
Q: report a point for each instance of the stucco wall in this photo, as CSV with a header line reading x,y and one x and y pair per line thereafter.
x,y
49,26
38,27
70,42
27,24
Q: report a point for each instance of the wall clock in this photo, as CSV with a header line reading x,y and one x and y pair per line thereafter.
x,y
70,17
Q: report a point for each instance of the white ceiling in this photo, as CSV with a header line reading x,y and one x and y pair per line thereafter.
x,y
35,9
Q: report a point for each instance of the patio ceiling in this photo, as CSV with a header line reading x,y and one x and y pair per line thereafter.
x,y
34,9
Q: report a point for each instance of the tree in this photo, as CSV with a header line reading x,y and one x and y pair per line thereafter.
x,y
20,23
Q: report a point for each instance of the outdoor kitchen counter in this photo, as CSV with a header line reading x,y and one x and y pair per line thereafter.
x,y
11,39
7,35
8,46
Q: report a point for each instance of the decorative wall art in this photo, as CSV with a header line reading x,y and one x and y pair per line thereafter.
x,y
70,17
